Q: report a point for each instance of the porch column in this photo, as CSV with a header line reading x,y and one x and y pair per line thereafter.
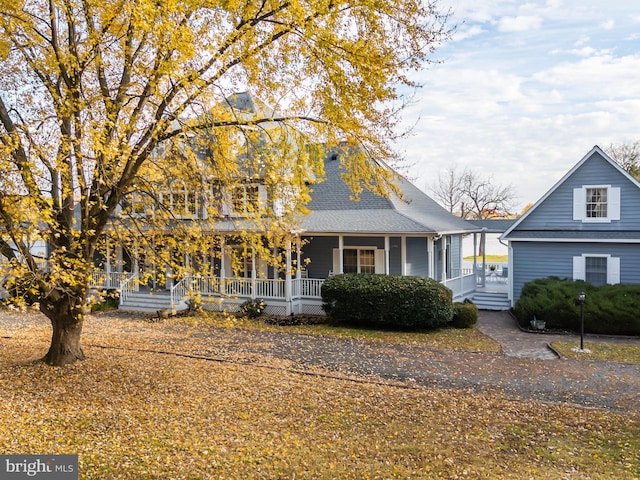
x,y
136,258
403,255
287,277
475,257
443,243
341,256
430,258
483,237
222,264
298,257
253,273
386,255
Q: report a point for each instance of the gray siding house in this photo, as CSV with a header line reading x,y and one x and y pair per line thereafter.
x,y
407,233
586,227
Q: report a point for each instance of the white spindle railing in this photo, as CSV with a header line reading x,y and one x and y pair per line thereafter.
x,y
128,286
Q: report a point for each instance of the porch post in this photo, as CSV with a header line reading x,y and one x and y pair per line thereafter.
x,y
222,263
483,237
443,242
430,258
287,278
475,257
386,255
341,249
298,257
253,273
403,255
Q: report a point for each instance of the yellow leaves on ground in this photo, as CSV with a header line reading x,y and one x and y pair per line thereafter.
x,y
142,415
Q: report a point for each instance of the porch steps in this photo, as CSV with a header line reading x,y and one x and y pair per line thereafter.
x,y
146,302
491,301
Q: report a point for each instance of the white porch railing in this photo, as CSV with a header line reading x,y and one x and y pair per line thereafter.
x,y
128,286
107,280
461,285
306,287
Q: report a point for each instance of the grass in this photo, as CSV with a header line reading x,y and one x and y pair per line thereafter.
x,y
599,351
489,258
133,414
448,338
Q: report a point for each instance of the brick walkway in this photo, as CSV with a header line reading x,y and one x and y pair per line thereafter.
x,y
502,327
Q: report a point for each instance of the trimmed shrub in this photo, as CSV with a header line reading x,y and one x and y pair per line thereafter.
x,y
610,309
387,301
252,308
465,315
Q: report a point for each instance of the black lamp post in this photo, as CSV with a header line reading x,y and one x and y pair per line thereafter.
x,y
581,298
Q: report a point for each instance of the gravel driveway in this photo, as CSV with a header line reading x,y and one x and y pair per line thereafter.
x,y
585,382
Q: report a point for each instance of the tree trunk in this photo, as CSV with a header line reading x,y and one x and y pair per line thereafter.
x,y
67,318
65,342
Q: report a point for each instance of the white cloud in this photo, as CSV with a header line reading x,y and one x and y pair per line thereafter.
x,y
526,90
608,25
521,23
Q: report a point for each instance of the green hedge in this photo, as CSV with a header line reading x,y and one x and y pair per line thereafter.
x,y
387,300
465,315
610,309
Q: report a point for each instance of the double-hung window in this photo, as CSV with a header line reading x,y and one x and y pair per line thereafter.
x,y
596,203
359,260
597,269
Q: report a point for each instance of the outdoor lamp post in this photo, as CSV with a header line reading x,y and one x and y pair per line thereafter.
x,y
581,298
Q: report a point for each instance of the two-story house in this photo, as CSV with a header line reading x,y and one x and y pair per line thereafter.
x,y
586,227
406,233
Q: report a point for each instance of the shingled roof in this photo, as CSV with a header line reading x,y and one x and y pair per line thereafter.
x,y
333,210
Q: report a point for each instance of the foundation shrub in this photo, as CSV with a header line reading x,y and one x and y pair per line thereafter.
x,y
387,301
609,309
465,315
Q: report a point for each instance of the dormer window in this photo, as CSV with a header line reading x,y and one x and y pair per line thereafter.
x,y
596,203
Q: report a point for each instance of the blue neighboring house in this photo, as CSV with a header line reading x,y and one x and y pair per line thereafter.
x,y
586,227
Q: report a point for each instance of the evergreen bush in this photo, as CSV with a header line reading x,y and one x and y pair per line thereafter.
x,y
387,300
465,315
609,309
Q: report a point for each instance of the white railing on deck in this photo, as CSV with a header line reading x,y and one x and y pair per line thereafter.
x,y
461,285
128,286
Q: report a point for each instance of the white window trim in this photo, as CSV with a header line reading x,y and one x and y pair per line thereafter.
x,y
580,204
378,258
179,188
262,199
613,267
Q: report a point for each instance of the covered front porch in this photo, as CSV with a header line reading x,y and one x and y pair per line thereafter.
x,y
295,287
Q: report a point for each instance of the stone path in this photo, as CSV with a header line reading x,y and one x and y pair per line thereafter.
x,y
502,327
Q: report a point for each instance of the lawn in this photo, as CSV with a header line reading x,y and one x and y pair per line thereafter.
x,y
135,414
599,351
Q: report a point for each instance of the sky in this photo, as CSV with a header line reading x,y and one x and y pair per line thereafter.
x,y
524,90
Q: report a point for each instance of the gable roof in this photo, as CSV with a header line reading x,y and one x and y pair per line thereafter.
x,y
595,150
334,211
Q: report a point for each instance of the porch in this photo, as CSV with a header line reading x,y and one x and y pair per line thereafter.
x,y
295,295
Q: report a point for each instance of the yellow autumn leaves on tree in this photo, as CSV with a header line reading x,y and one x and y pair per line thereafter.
x,y
91,92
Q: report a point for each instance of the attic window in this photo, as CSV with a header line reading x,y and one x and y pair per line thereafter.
x,y
596,204
334,157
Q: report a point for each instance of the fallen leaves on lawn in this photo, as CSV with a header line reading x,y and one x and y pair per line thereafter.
x,y
134,414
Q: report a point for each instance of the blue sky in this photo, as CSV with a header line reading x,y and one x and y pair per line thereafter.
x,y
525,90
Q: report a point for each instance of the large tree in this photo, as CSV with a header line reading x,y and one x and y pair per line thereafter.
x,y
90,89
469,195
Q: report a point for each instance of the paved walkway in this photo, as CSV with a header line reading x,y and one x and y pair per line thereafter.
x,y
502,327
